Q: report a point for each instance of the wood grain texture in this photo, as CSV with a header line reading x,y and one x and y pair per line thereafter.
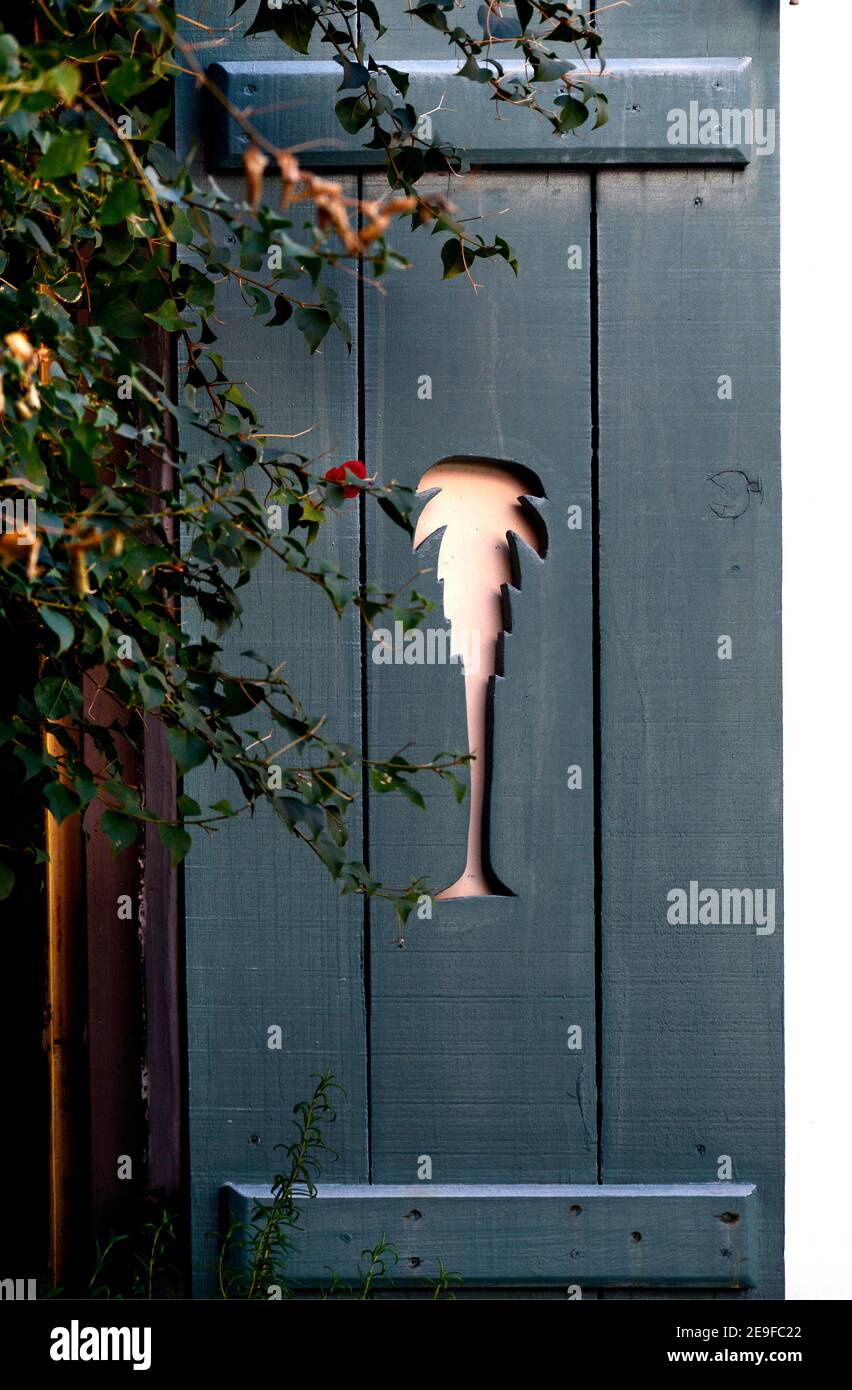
x,y
226,33
268,938
295,107
691,774
163,961
66,1040
466,1026
159,909
636,1237
668,28
114,1021
471,1063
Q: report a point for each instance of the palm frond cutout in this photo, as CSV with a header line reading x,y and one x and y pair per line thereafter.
x,y
479,504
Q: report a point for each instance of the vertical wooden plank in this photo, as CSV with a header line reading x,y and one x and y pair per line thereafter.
x,y
162,933
682,29
114,1030
223,34
66,1043
161,937
408,37
691,772
269,941
471,1062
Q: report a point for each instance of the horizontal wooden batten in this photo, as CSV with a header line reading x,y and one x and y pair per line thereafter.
x,y
632,1236
292,104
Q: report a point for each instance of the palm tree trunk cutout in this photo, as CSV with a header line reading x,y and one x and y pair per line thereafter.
x,y
479,503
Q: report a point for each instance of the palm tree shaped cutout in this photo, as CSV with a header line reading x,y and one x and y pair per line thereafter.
x,y
479,504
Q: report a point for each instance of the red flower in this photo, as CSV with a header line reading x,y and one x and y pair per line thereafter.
x,y
338,475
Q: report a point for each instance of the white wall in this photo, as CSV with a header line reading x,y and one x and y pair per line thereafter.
x,y
816,226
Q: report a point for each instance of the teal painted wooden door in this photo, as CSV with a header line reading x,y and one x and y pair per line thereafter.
x,y
575,1086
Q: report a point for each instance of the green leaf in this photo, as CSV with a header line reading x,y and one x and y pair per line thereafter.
x,y
370,10
601,102
187,749
408,166
61,800
331,856
459,788
240,696
69,288
121,831
525,12
400,80
405,907
124,81
354,74
508,252
453,259
293,24
473,72
295,812
551,69
9,59
58,623
121,201
177,840
235,397
411,792
353,113
85,786
7,880
33,761
65,155
151,689
573,113
105,153
283,312
432,15
37,235
290,809
167,316
121,320
381,781
314,323
66,81
56,697
396,514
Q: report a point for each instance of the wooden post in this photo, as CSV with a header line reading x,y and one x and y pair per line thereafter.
x,y
66,1040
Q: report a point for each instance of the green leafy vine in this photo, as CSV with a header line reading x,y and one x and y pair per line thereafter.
x,y
134,494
